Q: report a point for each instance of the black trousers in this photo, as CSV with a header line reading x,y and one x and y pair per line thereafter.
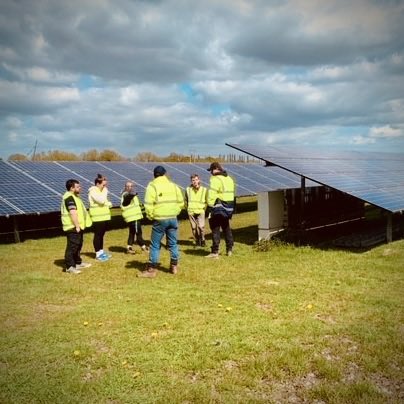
x,y
216,223
135,229
73,248
99,231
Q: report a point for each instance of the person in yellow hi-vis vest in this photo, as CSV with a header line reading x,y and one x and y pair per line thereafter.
x,y
75,219
163,203
100,214
132,213
196,203
221,205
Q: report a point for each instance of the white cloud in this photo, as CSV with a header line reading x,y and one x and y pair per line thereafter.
x,y
88,73
386,132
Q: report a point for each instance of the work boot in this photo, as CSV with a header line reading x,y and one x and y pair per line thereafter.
x,y
229,253
174,269
144,248
212,255
150,272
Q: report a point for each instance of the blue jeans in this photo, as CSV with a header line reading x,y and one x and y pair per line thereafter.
x,y
160,228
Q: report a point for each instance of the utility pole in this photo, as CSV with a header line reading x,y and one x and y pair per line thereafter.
x,y
33,154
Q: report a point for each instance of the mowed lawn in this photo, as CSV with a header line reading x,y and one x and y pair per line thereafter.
x,y
288,325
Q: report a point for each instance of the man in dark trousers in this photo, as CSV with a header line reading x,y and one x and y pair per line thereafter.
x,y
221,205
75,219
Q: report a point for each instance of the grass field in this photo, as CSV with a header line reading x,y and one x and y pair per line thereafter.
x,y
291,324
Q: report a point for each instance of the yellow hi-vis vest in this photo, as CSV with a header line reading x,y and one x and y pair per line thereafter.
x,y
99,213
163,199
133,211
221,187
83,216
196,200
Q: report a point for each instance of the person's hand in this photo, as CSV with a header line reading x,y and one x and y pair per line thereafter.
x,y
78,229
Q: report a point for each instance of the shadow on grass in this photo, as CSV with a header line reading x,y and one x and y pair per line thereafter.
x,y
117,249
185,242
246,235
60,263
89,254
141,266
199,252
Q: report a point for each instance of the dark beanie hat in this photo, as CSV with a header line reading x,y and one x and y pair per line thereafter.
x,y
159,171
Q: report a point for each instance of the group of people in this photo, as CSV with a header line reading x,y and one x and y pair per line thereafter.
x,y
163,202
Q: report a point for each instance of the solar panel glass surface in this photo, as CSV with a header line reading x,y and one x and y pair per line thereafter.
x,y
377,178
37,186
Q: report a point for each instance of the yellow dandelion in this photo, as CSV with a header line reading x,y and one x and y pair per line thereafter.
x,y
136,374
309,306
229,308
154,334
76,352
85,323
220,305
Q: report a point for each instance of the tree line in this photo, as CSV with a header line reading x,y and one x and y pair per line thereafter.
x,y
111,155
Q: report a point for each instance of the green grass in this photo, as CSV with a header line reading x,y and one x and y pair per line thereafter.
x,y
292,324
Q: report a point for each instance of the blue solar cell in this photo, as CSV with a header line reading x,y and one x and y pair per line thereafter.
x,y
7,209
377,178
47,179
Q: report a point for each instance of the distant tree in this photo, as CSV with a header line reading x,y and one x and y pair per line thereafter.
x,y
146,156
91,155
110,155
56,155
17,156
175,157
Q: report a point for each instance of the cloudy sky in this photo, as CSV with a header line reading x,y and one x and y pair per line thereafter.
x,y
187,77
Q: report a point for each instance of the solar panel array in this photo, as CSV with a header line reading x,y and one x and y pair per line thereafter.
x,y
376,178
30,187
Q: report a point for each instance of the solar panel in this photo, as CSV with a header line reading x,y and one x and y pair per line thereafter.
x,y
374,177
29,187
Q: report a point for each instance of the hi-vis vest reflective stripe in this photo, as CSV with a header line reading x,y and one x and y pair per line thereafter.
x,y
133,211
163,200
99,213
221,187
196,200
67,222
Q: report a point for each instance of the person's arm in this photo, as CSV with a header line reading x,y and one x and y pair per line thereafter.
x,y
127,199
180,198
72,208
75,219
98,197
213,191
149,200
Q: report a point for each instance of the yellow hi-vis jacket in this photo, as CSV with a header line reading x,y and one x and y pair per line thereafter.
x,y
133,211
196,200
163,199
99,204
221,187
82,215
221,194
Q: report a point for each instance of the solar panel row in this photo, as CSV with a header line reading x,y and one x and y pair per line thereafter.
x,y
376,178
29,187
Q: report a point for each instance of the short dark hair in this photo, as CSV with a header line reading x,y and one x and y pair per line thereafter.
x,y
71,183
99,179
159,171
194,176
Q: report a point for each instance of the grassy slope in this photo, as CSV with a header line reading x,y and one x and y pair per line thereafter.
x,y
288,325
